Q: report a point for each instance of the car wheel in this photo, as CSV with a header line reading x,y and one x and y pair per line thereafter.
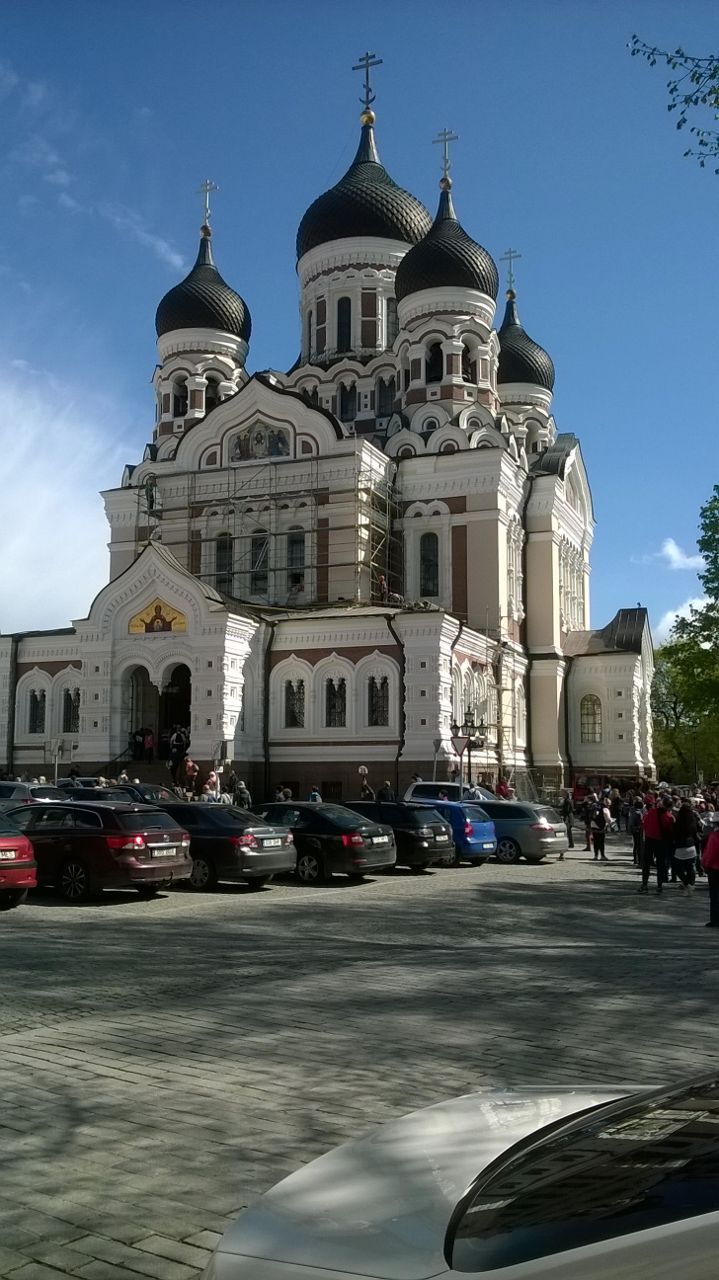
x,y
10,898
258,882
310,868
507,850
203,876
75,883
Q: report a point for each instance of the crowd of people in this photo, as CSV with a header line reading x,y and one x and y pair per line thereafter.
x,y
674,836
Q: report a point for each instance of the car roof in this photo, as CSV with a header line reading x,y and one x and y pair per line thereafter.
x,y
115,805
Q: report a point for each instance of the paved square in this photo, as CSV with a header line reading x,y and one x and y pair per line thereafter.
x,y
163,1062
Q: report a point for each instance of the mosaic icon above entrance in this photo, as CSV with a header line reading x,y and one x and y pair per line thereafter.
x,y
156,618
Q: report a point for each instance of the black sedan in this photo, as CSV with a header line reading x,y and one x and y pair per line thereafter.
x,y
330,838
231,844
422,837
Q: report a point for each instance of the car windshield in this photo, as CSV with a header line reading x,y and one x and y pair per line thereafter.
x,y
7,826
47,793
150,820
226,815
620,1168
474,813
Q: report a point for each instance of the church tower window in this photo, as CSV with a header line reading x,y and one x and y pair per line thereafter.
x,y
223,563
179,398
36,721
212,393
336,703
295,561
392,321
385,397
435,363
259,553
348,403
321,331
294,704
429,565
309,333
378,702
368,324
344,324
71,711
590,714
466,364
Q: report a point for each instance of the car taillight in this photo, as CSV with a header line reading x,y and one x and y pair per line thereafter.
x,y
354,839
244,842
468,829
125,842
541,826
288,838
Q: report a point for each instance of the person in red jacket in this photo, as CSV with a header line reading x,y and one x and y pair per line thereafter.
x,y
710,862
658,828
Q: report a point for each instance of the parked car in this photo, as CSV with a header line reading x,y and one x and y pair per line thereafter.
x,y
332,839
15,793
473,831
114,794
18,869
567,1183
526,830
231,844
82,848
68,784
147,792
451,790
421,836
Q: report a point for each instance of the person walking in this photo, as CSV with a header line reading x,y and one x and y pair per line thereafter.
x,y
600,819
710,862
587,807
314,796
148,743
686,831
242,796
367,792
566,812
635,830
177,751
658,828
386,795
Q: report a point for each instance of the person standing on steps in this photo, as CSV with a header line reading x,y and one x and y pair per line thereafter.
x,y
600,819
386,795
710,862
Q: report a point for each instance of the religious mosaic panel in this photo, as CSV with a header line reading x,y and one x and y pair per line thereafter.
x,y
156,618
260,441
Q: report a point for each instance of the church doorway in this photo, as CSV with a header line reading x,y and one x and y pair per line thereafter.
x,y
144,700
174,707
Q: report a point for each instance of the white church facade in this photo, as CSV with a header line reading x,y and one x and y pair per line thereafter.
x,y
339,565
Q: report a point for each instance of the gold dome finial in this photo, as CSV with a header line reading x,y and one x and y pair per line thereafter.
x,y
367,117
445,183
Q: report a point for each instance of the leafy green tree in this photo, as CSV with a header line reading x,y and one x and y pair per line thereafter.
x,y
697,637
694,88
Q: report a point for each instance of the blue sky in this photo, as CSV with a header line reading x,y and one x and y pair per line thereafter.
x,y
113,114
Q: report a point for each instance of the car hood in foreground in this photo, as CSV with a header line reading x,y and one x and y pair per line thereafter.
x,y
381,1206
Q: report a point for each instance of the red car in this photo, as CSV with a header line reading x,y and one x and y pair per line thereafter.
x,y
18,868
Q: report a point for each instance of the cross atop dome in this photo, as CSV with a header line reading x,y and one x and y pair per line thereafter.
x,y
367,61
444,138
204,190
510,257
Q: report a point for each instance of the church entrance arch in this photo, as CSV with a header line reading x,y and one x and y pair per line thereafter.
x,y
143,701
174,706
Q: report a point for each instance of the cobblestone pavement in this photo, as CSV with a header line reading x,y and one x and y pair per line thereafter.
x,y
163,1062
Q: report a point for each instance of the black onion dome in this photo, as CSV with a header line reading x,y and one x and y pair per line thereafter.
x,y
521,359
365,202
203,300
446,256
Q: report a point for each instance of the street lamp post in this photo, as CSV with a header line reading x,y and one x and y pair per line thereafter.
x,y
465,737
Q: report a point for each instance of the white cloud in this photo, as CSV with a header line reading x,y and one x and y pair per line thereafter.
x,y
678,559
129,223
67,201
8,79
58,178
664,626
58,451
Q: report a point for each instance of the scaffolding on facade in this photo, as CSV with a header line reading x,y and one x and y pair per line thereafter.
x,y
275,534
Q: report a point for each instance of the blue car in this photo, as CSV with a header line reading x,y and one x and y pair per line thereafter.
x,y
475,838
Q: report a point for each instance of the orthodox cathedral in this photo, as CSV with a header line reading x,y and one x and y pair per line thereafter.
x,y
379,558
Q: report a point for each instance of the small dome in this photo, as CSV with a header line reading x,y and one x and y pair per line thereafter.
x,y
365,202
446,257
203,301
521,359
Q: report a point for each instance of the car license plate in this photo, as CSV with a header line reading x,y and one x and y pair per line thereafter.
x,y
7,855
487,845
164,853
442,838
380,839
272,844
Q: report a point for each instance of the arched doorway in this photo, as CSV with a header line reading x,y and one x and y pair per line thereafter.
x,y
173,707
142,711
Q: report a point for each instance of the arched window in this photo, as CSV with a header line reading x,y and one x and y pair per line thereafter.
x,y
309,331
590,714
434,367
212,393
392,321
294,704
179,398
466,363
385,397
223,563
295,562
336,703
520,717
71,711
429,565
259,556
314,396
449,447
348,403
406,452
344,324
36,717
430,424
378,701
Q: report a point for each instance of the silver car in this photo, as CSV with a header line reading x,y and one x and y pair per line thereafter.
x,y
446,791
589,1183
525,830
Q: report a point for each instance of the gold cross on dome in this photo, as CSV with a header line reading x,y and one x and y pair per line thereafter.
x,y
365,62
204,190
510,257
444,138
